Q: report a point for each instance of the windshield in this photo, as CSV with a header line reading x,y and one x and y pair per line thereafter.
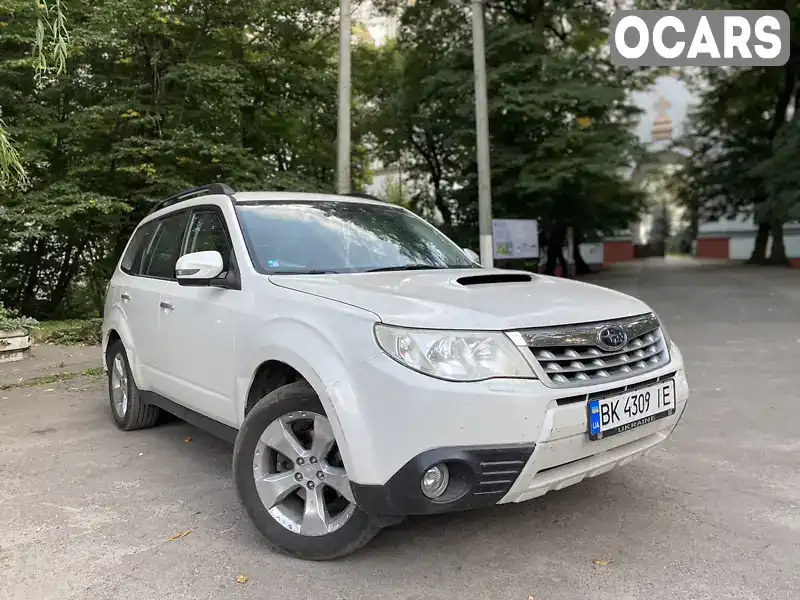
x,y
343,237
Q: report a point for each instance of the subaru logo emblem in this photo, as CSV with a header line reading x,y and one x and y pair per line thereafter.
x,y
612,338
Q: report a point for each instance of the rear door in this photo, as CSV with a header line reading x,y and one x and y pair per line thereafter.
x,y
156,270
133,296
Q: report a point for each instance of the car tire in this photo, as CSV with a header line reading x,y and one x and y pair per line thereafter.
x,y
127,408
289,525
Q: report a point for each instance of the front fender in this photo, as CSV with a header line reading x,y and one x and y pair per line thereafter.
x,y
318,358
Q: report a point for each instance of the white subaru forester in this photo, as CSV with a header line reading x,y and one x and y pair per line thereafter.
x,y
367,369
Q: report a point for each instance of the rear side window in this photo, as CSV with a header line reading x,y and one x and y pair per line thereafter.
x,y
139,243
159,259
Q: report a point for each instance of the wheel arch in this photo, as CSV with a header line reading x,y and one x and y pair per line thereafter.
x,y
280,365
111,337
116,328
269,376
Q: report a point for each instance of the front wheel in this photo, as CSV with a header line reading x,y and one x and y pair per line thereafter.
x,y
291,479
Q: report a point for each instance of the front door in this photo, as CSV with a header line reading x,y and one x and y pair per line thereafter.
x,y
198,329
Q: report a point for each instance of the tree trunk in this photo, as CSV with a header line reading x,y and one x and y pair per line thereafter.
x,y
777,255
428,152
563,262
759,256
555,250
783,100
246,111
69,269
581,267
695,229
28,296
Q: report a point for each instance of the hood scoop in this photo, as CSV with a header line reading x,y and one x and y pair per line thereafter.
x,y
494,278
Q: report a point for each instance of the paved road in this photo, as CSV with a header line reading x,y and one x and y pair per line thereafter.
x,y
86,511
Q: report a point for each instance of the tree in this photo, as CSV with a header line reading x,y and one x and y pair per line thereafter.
x,y
170,96
743,139
560,120
50,53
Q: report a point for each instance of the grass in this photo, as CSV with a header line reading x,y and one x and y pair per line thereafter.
x,y
71,332
95,372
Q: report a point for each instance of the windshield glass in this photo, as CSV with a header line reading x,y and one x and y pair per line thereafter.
x,y
342,237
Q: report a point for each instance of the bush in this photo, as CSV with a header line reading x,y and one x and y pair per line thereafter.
x,y
11,320
75,332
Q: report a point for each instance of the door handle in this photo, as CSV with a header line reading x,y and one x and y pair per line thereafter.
x,y
125,296
167,306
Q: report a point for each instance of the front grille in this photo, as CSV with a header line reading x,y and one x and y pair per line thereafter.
x,y
574,355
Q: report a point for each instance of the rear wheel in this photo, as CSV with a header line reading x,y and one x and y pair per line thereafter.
x,y
127,408
292,481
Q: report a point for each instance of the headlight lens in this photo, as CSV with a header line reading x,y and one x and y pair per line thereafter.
x,y
454,355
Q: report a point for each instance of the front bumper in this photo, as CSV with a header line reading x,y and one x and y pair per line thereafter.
x,y
478,477
555,451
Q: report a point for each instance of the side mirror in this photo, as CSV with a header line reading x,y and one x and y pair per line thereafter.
x,y
472,256
198,268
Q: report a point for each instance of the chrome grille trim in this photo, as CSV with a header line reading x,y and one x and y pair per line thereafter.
x,y
570,356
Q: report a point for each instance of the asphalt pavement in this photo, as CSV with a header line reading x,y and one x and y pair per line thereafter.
x,y
88,512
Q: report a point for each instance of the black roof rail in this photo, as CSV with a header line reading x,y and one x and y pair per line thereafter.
x,y
203,190
364,195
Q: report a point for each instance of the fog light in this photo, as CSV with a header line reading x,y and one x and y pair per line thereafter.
x,y
435,480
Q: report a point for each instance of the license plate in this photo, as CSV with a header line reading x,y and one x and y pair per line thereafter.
x,y
622,412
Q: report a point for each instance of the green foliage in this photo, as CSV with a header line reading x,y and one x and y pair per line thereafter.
x,y
12,173
128,101
780,172
51,31
743,153
396,193
71,332
11,320
140,101
52,38
560,118
743,140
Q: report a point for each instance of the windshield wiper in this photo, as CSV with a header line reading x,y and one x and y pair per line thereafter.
x,y
410,267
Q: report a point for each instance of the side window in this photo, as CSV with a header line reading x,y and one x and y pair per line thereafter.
x,y
133,254
159,260
207,232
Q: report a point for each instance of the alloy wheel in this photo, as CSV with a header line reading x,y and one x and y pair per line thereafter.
x,y
300,476
119,386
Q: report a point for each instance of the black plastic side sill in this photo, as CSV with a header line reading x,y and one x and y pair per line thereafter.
x,y
215,428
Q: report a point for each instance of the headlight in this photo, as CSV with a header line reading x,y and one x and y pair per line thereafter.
x,y
454,355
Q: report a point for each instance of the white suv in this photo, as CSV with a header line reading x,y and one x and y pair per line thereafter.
x,y
367,369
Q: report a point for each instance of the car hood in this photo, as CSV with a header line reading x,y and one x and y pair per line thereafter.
x,y
450,299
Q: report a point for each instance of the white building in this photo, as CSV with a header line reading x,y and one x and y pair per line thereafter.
x,y
380,27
